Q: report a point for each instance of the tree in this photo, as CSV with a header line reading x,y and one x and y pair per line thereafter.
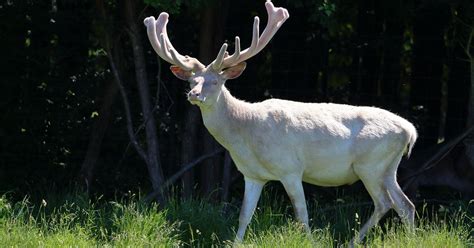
x,y
429,53
149,154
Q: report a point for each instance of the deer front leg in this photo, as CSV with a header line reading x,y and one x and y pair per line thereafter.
x,y
253,189
294,187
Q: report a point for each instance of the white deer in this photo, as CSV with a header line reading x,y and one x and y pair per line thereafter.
x,y
293,142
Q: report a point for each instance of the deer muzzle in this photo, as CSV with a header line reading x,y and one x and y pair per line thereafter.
x,y
195,96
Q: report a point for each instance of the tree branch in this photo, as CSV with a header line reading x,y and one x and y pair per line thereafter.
x,y
468,45
440,154
126,106
118,80
180,173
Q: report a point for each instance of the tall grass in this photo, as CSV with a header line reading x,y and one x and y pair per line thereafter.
x,y
82,223
74,220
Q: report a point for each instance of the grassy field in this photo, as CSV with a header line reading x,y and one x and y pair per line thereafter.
x,y
73,220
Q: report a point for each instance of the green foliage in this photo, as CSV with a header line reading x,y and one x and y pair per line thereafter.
x,y
22,224
76,221
81,223
326,10
171,6
290,234
201,223
139,225
441,230
174,6
322,11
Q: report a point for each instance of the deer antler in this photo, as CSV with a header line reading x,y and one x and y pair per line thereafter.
x,y
276,17
156,30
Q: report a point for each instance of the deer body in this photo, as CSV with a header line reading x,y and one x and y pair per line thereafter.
x,y
319,143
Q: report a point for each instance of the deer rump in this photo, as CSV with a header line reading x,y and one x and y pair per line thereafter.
x,y
325,143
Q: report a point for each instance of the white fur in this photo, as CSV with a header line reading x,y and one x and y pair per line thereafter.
x,y
319,143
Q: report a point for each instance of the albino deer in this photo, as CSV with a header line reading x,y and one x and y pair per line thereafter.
x,y
319,143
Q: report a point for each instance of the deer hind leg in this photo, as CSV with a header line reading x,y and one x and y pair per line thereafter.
x,y
384,190
253,190
294,187
404,207
401,203
382,203
372,173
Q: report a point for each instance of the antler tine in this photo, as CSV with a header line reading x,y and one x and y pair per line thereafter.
x,y
236,55
216,64
163,47
255,34
276,17
177,58
151,24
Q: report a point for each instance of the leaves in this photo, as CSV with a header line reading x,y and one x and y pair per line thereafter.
x,y
170,6
327,8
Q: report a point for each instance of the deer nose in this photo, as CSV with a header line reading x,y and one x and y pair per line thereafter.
x,y
194,93
195,96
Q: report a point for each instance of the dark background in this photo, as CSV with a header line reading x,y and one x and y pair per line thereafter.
x,y
67,68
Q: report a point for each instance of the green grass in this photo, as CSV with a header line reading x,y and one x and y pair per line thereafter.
x,y
73,220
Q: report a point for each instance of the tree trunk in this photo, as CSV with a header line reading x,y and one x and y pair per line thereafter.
x,y
211,38
192,117
458,90
86,174
428,53
368,60
470,115
188,148
390,82
206,50
153,162
469,142
226,177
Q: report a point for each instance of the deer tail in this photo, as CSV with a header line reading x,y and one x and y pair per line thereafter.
x,y
412,136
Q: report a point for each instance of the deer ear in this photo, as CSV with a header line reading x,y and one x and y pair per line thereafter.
x,y
181,73
234,71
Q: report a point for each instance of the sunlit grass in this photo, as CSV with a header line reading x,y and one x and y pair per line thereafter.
x,y
291,234
73,220
81,223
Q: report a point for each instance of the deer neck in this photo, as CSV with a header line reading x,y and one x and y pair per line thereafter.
x,y
226,117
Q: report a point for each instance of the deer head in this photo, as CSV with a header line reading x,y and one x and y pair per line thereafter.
x,y
207,81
